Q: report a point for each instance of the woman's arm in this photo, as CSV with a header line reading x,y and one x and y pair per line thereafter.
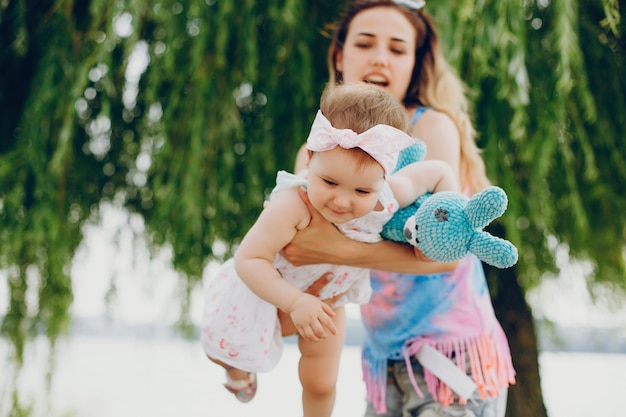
x,y
321,242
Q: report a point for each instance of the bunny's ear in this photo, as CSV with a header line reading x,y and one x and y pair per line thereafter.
x,y
493,250
413,153
485,206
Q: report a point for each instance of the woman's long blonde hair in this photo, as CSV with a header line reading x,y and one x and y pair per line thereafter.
x,y
433,83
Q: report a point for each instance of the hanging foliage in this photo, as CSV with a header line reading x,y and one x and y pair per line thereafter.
x,y
182,112
550,105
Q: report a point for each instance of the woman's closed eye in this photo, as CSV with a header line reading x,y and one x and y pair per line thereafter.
x,y
398,51
393,49
363,45
398,47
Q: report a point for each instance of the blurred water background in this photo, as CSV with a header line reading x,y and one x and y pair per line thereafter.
x,y
123,358
123,375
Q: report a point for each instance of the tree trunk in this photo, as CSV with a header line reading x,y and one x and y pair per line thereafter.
x,y
525,397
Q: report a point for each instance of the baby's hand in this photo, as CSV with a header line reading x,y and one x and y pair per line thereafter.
x,y
312,318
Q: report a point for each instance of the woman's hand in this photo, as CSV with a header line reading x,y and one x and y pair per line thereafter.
x,y
321,242
318,243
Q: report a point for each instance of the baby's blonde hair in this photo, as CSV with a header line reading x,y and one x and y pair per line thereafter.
x,y
360,107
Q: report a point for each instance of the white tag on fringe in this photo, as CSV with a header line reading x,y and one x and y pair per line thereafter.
x,y
446,370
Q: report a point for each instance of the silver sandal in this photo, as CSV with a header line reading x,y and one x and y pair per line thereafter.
x,y
244,389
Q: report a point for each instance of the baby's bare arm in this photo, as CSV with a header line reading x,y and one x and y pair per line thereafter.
x,y
275,227
419,178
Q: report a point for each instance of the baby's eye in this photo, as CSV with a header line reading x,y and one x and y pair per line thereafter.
x,y
330,183
363,192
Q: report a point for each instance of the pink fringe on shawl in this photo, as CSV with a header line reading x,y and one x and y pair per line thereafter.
x,y
489,365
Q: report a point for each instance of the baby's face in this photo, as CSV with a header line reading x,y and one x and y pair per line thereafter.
x,y
339,188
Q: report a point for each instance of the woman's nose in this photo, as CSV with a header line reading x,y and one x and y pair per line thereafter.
x,y
380,58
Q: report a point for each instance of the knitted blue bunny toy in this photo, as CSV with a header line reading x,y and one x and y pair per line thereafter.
x,y
446,226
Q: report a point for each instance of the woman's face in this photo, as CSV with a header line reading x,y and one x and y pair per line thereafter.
x,y
379,49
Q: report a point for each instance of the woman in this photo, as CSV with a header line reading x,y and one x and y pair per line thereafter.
x,y
422,311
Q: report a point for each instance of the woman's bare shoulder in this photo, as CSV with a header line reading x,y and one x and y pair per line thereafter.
x,y
440,134
435,122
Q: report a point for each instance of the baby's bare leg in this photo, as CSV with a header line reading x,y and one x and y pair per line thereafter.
x,y
232,372
318,369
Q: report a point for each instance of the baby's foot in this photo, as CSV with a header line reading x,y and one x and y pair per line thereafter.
x,y
244,389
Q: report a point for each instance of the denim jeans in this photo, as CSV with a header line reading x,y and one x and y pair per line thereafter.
x,y
403,401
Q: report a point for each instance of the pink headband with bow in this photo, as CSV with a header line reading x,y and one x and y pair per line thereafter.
x,y
381,142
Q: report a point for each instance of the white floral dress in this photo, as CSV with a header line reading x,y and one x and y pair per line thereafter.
x,y
243,330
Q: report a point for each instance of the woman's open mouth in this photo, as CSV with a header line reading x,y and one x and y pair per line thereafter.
x,y
377,80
